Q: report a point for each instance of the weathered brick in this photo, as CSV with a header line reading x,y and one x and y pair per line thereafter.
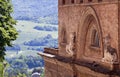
x,y
82,18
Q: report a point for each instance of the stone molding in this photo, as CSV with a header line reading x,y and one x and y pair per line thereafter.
x,y
83,27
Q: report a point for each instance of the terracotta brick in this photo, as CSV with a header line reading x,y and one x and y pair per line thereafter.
x,y
83,18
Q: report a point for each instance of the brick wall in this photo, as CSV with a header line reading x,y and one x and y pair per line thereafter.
x,y
75,18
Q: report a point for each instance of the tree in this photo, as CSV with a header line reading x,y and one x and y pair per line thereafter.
x,y
7,32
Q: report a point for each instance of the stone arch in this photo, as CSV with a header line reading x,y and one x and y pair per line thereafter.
x,y
88,16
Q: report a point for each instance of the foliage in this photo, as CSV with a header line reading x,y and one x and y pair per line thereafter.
x,y
21,75
39,48
15,47
48,41
20,65
43,73
34,10
7,32
52,19
46,28
1,69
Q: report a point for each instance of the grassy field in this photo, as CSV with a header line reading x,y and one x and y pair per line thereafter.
x,y
27,31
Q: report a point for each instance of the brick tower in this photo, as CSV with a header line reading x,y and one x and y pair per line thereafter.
x,y
89,40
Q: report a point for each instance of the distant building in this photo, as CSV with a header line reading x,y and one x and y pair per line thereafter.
x,y
89,40
36,74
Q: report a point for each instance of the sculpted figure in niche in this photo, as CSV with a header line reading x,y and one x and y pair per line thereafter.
x,y
110,54
71,46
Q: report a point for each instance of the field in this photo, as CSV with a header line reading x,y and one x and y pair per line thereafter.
x,y
26,33
24,55
37,27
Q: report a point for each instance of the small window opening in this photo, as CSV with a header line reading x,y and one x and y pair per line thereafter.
x,y
99,0
89,0
72,1
64,39
81,1
63,2
95,39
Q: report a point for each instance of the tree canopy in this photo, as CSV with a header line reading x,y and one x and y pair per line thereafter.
x,y
7,31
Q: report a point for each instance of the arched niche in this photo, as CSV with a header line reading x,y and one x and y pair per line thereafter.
x,y
63,35
89,34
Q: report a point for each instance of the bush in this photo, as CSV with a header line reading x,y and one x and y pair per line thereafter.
x,y
26,62
48,41
46,28
14,48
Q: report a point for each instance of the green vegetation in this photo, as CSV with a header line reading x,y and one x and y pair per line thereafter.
x,y
7,32
24,65
1,69
21,75
26,28
43,73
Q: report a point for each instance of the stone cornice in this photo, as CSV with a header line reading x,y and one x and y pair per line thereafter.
x,y
91,65
88,4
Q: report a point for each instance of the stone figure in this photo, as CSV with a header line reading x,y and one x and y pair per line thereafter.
x,y
71,46
110,54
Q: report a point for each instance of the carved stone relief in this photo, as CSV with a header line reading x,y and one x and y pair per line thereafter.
x,y
110,53
70,47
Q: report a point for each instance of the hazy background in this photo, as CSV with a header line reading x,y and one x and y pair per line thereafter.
x,y
37,24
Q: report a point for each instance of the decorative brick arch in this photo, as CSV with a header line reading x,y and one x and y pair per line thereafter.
x,y
88,16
